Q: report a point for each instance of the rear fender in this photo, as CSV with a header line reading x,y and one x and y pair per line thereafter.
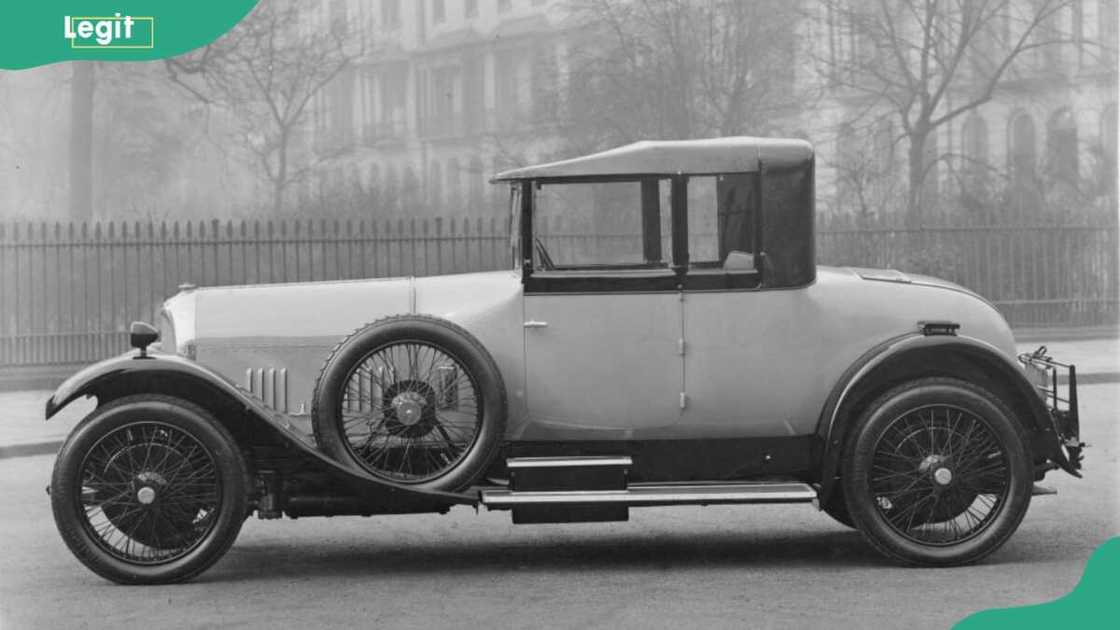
x,y
174,375
915,355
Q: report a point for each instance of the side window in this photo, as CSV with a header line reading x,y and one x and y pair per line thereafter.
x,y
721,222
608,226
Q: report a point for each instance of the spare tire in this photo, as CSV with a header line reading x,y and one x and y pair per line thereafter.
x,y
413,400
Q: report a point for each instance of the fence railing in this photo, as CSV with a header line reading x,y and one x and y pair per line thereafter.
x,y
68,291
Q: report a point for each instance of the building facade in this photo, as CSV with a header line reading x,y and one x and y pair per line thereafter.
x,y
450,91
444,97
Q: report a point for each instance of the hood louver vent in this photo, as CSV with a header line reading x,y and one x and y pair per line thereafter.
x,y
270,385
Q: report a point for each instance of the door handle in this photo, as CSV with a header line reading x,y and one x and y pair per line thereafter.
x,y
535,324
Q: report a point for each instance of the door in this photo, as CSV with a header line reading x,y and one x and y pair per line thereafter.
x,y
603,366
602,315
749,351
750,363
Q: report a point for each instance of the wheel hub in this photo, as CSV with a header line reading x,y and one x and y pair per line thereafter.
x,y
937,467
409,407
943,476
146,495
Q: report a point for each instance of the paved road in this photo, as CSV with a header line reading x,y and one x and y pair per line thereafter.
x,y
762,567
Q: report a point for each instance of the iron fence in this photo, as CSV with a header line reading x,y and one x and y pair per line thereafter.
x,y
68,291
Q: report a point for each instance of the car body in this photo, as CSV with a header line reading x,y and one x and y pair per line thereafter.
x,y
747,372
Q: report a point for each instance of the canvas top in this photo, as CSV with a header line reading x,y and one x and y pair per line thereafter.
x,y
738,154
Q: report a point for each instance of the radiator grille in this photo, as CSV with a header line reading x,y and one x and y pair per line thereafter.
x,y
270,385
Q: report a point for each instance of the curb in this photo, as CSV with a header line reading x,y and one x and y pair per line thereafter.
x,y
27,449
1097,378
1065,334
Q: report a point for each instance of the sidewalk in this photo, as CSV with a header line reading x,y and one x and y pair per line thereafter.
x,y
1096,359
24,432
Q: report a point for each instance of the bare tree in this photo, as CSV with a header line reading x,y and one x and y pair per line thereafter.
x,y
929,61
678,69
267,71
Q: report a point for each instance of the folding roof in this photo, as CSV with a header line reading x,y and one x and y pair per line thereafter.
x,y
739,154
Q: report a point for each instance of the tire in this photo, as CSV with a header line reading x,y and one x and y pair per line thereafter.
x,y
413,400
937,473
837,508
149,489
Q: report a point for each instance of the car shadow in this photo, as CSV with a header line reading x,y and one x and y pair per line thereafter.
x,y
623,552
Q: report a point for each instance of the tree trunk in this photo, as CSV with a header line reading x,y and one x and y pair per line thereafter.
x,y
281,180
916,178
81,140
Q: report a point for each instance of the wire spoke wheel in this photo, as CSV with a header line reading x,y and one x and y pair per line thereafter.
x,y
410,411
939,475
150,493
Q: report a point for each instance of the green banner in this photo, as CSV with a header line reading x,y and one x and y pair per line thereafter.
x,y
1092,604
41,32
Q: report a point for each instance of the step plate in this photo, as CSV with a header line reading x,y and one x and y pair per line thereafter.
x,y
559,474
640,495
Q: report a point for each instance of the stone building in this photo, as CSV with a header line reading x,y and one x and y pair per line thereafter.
x,y
449,94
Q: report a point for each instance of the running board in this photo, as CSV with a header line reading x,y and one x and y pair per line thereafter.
x,y
648,495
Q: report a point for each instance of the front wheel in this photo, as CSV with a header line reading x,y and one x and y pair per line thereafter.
x,y
937,473
149,490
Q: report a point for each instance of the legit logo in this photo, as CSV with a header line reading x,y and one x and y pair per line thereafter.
x,y
116,31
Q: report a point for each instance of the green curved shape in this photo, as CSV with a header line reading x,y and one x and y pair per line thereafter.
x,y
1093,603
41,32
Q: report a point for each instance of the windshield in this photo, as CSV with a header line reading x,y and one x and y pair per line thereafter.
x,y
515,225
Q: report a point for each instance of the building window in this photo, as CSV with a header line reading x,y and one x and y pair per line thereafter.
x,y
390,13
1021,146
1061,147
545,69
1077,29
443,105
470,8
339,18
435,186
393,88
504,5
506,93
439,11
1048,31
1110,38
474,86
974,137
368,97
974,141
453,192
476,175
1108,149
884,148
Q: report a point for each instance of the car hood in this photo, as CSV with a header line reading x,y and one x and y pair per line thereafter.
x,y
335,308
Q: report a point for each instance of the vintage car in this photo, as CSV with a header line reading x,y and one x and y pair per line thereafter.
x,y
662,336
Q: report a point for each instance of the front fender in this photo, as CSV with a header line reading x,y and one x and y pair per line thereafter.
x,y
111,374
874,370
132,373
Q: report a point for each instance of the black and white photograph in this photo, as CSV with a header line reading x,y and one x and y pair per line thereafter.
x,y
563,314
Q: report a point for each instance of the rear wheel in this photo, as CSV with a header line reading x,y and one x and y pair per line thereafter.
x,y
937,473
149,490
